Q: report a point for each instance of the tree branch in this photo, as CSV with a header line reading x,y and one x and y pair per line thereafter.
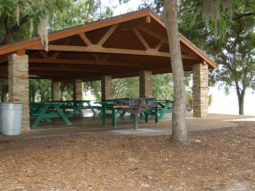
x,y
240,16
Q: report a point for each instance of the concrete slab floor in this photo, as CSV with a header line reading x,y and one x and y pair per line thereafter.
x,y
92,126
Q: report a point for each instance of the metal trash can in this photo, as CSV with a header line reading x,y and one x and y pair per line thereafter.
x,y
11,118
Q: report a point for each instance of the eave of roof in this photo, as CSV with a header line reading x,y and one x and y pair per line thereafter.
x,y
9,48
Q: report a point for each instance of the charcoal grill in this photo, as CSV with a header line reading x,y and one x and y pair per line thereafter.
x,y
135,107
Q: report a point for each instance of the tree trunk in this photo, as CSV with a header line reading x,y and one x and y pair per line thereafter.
x,y
241,102
179,131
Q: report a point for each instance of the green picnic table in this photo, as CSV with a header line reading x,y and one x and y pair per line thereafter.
x,y
163,107
78,105
107,105
49,110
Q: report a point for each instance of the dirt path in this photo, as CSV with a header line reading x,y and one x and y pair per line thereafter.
x,y
215,160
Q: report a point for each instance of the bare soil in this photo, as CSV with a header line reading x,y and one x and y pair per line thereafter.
x,y
214,160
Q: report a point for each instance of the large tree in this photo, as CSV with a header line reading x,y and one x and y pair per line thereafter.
x,y
235,52
179,130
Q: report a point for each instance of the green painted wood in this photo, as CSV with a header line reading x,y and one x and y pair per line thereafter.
x,y
163,107
51,110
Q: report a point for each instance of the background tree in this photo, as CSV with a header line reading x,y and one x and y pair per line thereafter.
x,y
19,18
94,88
39,90
126,87
235,52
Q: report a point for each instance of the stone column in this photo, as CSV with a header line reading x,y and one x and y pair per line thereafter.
x,y
200,90
145,84
78,90
55,90
18,82
106,87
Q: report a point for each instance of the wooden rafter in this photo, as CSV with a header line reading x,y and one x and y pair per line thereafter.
x,y
141,39
85,39
160,44
107,35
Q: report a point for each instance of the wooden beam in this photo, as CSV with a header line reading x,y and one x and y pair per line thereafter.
x,y
21,52
140,37
56,54
160,44
85,39
64,69
81,62
95,55
108,34
148,19
99,49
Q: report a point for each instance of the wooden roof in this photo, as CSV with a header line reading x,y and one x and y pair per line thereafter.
x,y
121,46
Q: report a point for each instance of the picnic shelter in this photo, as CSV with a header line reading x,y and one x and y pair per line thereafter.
x,y
133,44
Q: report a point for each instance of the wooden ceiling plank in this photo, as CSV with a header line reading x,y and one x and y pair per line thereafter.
x,y
3,60
44,55
153,34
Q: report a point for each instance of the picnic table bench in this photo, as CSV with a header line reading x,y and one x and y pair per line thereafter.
x,y
58,109
110,109
107,105
49,110
78,105
163,107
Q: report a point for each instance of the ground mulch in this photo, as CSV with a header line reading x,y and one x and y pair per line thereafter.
x,y
214,160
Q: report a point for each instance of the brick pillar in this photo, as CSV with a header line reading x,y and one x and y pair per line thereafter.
x,y
78,90
106,87
55,90
200,90
145,84
18,82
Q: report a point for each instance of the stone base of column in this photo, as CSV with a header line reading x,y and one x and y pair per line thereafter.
x,y
78,90
18,82
106,87
145,84
55,90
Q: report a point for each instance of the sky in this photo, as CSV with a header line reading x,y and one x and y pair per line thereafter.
x,y
221,103
132,5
